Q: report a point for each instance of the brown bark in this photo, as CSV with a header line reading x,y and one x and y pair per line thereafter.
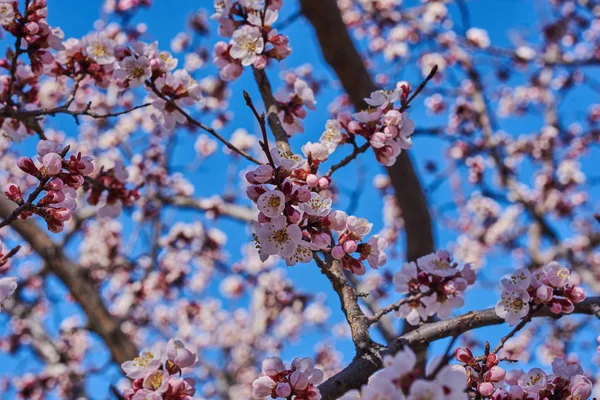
x,y
357,373
99,319
341,54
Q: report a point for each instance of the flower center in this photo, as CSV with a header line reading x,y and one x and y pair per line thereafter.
x,y
274,202
156,381
143,360
281,236
137,72
534,379
100,50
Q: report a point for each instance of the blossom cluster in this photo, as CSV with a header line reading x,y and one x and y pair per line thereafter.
x,y
295,217
249,23
486,378
156,373
387,129
58,176
398,380
549,286
437,285
299,382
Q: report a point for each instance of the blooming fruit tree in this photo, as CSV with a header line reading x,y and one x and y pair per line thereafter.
x,y
137,266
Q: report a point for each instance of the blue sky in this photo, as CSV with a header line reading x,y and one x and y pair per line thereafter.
x,y
167,18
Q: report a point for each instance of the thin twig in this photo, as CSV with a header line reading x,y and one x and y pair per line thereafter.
x,y
200,125
515,330
396,306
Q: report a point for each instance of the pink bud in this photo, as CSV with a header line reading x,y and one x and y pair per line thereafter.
x,y
338,220
350,246
283,390
323,183
13,193
312,180
544,293
52,164
577,294
61,214
485,388
465,355
555,307
495,374
272,366
31,28
298,380
303,194
354,127
27,165
55,184
86,167
293,215
254,192
392,117
491,360
338,252
263,173
344,118
321,240
251,177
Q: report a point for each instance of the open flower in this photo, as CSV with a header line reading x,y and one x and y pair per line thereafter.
x,y
437,264
286,160
279,238
135,70
519,280
534,381
179,355
382,98
148,361
246,44
271,203
512,306
317,205
374,251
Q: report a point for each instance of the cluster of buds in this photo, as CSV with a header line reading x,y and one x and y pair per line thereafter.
x,y
486,378
37,36
299,382
387,129
399,380
483,374
437,285
58,176
548,286
157,372
253,39
295,217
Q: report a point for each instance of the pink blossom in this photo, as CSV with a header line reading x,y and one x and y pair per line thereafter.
x,y
534,381
271,203
179,354
558,276
279,238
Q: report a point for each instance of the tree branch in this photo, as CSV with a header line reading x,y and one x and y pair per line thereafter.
x,y
100,320
362,367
